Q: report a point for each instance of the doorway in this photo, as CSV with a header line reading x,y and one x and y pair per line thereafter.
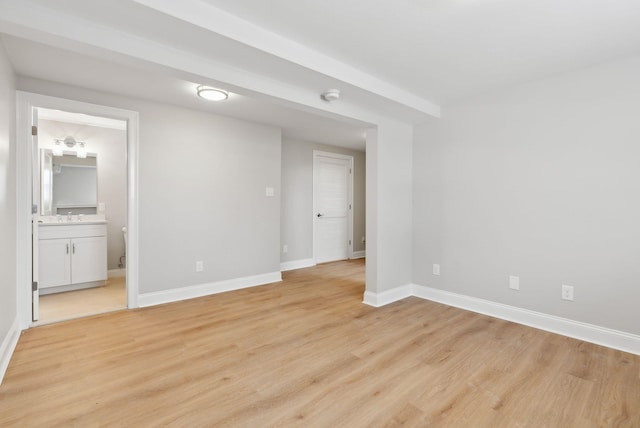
x,y
76,272
80,186
333,206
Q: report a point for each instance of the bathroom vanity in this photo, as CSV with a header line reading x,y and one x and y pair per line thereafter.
x,y
72,235
72,255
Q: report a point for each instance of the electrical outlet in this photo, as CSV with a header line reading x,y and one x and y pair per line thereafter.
x,y
436,269
514,282
199,266
567,292
285,248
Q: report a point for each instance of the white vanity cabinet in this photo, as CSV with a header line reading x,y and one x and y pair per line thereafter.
x,y
71,256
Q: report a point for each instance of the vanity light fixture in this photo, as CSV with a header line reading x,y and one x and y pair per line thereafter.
x,y
71,143
212,94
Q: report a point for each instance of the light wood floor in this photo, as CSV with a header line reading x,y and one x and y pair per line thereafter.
x,y
81,303
306,352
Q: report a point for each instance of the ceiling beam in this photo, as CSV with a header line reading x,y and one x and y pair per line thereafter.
x,y
218,21
39,22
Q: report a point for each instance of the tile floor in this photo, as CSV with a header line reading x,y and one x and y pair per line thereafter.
x,y
81,303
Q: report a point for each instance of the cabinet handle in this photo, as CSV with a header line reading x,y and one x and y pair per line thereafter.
x,y
73,248
67,248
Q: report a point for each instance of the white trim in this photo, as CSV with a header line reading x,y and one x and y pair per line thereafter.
x,y
296,264
611,338
578,330
23,208
81,119
359,254
389,296
25,103
8,346
132,243
200,290
116,273
70,287
320,153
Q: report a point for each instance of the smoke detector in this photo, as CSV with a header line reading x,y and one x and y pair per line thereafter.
x,y
331,95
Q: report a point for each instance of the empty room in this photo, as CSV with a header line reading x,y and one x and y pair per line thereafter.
x,y
319,214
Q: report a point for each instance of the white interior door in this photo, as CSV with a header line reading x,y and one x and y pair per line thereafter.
x,y
35,198
332,206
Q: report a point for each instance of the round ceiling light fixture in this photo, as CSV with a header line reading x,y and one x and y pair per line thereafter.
x,y
331,95
212,94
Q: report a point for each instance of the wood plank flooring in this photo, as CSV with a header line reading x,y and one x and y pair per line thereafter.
x,y
306,352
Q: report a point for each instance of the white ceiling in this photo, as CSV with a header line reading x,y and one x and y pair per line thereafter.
x,y
445,50
195,28
40,61
400,60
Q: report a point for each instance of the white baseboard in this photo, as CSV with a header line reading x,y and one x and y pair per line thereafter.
x,y
8,346
200,290
296,264
578,330
71,287
615,339
359,254
116,273
389,296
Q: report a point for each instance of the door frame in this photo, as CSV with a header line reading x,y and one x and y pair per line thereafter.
x,y
320,153
26,102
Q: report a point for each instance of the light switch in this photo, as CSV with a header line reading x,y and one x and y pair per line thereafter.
x,y
436,269
514,282
269,191
101,207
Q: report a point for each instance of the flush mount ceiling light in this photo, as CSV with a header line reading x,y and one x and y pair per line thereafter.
x,y
331,95
212,94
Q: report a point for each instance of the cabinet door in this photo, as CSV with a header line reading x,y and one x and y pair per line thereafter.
x,y
89,259
54,267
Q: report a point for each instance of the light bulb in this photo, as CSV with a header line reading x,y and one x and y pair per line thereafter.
x,y
57,149
82,152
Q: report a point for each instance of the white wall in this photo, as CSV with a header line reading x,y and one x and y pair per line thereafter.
x,y
541,181
296,224
7,198
201,191
110,146
389,206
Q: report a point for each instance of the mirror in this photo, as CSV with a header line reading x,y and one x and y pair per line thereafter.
x,y
68,184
